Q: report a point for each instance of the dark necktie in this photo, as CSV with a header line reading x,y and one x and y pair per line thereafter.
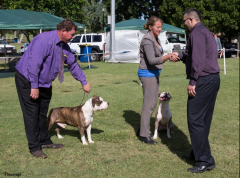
x,y
61,66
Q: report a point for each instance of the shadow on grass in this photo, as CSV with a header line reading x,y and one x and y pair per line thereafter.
x,y
132,118
178,143
73,133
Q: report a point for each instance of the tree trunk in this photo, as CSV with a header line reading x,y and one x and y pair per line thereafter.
x,y
18,40
26,33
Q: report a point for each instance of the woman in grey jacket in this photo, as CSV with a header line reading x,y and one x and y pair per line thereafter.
x,y
151,63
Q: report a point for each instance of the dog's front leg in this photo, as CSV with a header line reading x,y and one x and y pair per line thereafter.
x,y
156,128
168,130
89,133
81,130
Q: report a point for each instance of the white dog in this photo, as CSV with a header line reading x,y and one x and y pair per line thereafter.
x,y
163,118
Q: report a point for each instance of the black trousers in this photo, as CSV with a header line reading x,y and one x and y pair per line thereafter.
x,y
34,112
199,115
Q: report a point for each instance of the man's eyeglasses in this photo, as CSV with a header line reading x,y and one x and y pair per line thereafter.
x,y
183,21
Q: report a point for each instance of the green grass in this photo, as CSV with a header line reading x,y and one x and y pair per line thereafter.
x,y
117,152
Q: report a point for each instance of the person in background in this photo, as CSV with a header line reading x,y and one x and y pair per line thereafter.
x,y
219,45
41,63
151,63
201,60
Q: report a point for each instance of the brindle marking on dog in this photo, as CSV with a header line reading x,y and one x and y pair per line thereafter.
x,y
80,118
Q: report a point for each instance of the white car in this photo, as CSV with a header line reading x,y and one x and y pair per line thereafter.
x,y
95,40
172,42
24,48
5,48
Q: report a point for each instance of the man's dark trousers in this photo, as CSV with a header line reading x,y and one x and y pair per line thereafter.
x,y
199,114
34,112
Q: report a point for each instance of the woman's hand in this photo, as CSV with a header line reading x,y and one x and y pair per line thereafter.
x,y
174,57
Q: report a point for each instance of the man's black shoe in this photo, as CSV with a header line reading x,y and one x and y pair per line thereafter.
x,y
200,169
188,157
147,140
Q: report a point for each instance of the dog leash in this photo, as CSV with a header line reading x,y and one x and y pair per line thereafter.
x,y
81,101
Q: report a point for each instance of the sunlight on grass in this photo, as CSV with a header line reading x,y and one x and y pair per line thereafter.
x,y
117,152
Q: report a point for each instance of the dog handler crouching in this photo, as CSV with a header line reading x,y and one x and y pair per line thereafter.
x,y
39,66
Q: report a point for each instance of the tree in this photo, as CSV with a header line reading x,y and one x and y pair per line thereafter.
x,y
94,14
217,15
2,33
70,9
128,9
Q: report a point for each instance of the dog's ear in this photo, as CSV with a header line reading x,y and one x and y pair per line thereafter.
x,y
170,95
94,100
159,94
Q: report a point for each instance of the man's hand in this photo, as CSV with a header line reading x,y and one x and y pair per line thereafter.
x,y
34,93
174,57
86,88
191,90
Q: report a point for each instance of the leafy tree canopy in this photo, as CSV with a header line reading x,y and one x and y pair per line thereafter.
x,y
217,15
94,16
71,9
67,9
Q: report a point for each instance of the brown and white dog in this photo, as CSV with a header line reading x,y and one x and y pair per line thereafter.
x,y
163,118
79,116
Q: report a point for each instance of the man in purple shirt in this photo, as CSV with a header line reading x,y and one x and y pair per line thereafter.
x,y
201,60
36,70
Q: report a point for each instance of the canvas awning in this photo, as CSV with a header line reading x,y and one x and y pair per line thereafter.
x,y
19,19
137,24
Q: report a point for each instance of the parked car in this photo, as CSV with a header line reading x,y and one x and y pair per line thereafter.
x,y
230,46
95,40
23,48
5,48
172,42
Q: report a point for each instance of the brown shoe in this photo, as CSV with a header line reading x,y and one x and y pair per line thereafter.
x,y
55,146
39,154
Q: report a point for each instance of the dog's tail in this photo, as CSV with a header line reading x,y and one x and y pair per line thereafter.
x,y
50,119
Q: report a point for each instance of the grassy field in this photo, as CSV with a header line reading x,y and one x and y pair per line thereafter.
x,y
117,152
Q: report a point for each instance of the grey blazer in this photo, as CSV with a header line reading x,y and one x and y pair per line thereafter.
x,y
150,53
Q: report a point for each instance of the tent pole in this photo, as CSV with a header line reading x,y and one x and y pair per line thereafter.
x,y
41,30
87,47
5,55
112,32
224,62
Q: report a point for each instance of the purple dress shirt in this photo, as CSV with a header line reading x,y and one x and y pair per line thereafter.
x,y
201,57
40,62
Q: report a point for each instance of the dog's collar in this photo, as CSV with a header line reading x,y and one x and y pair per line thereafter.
x,y
82,101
